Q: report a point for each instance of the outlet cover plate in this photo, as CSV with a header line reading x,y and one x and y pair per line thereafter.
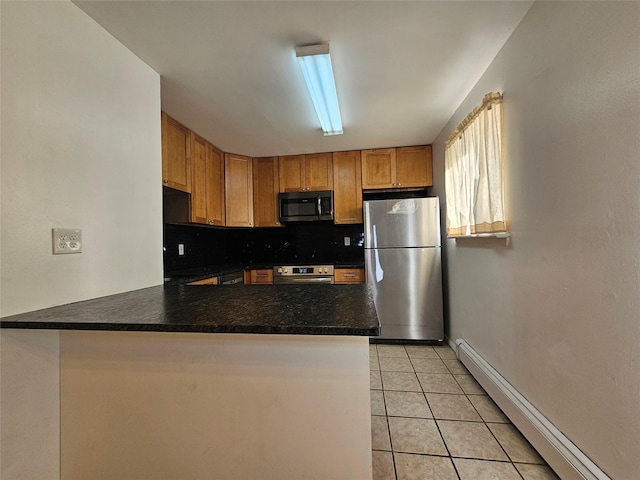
x,y
66,240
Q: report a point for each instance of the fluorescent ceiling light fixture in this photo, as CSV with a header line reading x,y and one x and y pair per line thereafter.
x,y
315,63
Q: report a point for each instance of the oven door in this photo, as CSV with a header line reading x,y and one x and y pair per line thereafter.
x,y
328,279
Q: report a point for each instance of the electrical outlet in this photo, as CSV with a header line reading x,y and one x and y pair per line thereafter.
x,y
181,249
347,241
66,240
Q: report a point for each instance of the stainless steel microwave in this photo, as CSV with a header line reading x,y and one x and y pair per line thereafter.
x,y
306,206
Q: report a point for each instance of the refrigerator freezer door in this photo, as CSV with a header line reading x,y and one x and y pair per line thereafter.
x,y
409,222
407,290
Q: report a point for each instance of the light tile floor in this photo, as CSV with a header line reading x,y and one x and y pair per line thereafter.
x,y
432,420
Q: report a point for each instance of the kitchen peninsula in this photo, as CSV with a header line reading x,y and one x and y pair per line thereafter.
x,y
191,382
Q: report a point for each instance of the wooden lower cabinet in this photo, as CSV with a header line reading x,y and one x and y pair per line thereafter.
x,y
348,275
206,281
238,190
261,276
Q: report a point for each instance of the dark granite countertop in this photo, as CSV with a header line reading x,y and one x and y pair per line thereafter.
x,y
262,309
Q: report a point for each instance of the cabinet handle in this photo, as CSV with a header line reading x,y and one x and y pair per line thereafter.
x,y
399,184
348,274
165,180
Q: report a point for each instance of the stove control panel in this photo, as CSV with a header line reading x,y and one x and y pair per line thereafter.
x,y
304,270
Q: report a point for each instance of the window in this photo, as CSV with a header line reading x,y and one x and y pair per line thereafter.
x,y
473,172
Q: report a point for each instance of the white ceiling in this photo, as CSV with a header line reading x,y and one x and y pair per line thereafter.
x,y
229,72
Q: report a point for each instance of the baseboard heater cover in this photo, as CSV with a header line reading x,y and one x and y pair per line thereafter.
x,y
560,453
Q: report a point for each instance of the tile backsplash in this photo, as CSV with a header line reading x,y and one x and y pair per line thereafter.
x,y
293,244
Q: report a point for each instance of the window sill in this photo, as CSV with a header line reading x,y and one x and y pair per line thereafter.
x,y
505,235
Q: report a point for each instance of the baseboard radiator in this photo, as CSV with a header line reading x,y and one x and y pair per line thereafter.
x,y
560,453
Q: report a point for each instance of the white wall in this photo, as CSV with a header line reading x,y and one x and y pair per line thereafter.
x,y
189,406
30,399
81,148
558,312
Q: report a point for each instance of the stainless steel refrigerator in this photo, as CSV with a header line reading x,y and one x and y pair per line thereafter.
x,y
402,261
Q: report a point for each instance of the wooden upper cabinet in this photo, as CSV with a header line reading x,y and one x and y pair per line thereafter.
x,y
176,155
397,167
379,168
347,188
318,171
300,173
414,166
291,173
265,192
207,182
215,186
238,183
198,179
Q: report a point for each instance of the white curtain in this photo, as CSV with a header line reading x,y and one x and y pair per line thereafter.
x,y
473,172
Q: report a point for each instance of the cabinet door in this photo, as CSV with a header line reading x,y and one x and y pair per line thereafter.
x,y
198,179
265,192
261,276
347,187
176,155
291,173
318,171
413,167
379,168
215,186
349,275
238,190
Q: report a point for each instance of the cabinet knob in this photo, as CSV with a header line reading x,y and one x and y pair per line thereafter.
x,y
399,184
165,180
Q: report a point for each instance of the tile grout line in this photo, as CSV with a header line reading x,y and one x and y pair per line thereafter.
x,y
455,469
510,460
386,416
485,423
468,397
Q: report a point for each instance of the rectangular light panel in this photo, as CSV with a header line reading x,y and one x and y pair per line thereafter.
x,y
315,62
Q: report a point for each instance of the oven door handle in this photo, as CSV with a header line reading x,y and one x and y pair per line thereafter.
x,y
327,279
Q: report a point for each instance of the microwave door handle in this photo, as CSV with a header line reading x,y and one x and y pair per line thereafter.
x,y
319,207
